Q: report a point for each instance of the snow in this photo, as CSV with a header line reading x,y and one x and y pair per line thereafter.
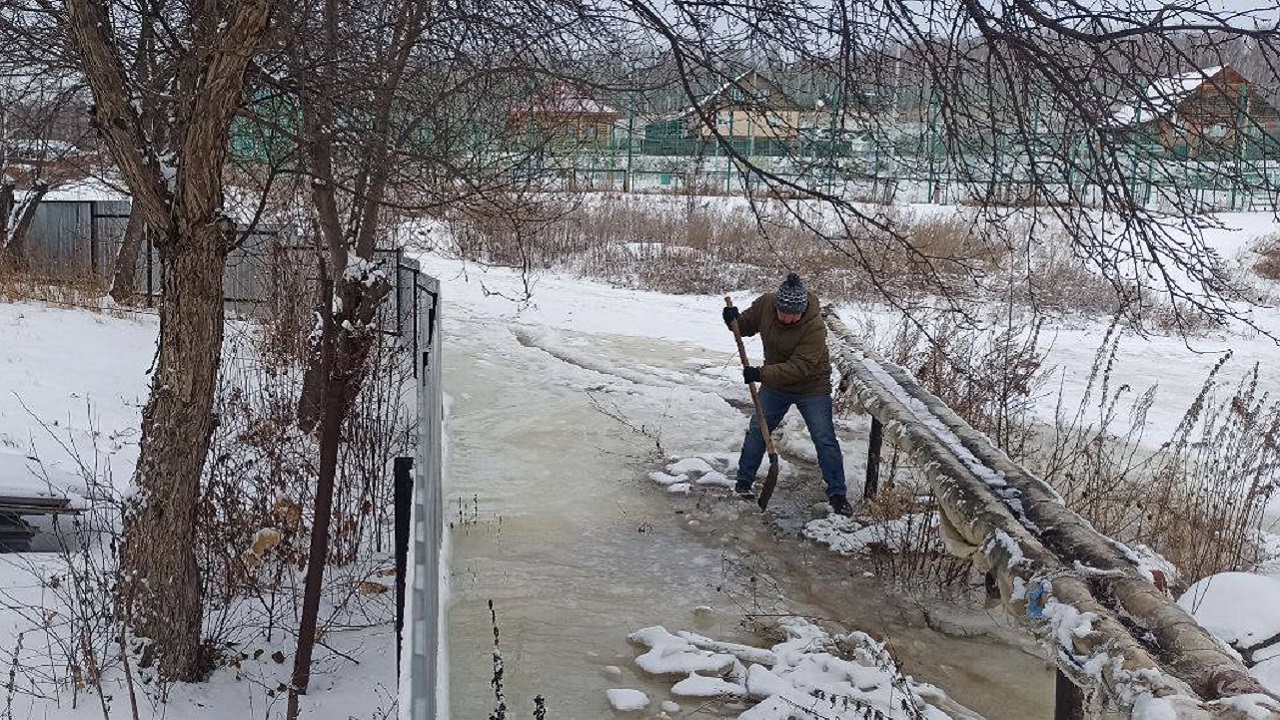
x,y
849,536
1163,95
1241,608
87,190
627,700
673,655
685,466
73,385
667,480
1068,623
835,677
715,479
1256,707
698,686
87,372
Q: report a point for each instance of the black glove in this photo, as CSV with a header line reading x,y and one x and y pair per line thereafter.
x,y
750,374
730,314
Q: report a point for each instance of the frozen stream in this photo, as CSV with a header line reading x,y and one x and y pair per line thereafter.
x,y
555,521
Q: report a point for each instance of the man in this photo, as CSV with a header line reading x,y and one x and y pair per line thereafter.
x,y
796,371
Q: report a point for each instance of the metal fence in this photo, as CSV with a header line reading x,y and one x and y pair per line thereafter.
x,y
888,174
419,698
77,237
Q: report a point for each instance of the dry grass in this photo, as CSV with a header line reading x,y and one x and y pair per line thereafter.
x,y
912,556
989,376
692,246
1199,498
1268,264
68,288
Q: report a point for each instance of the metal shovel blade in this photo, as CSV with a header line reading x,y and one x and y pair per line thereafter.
x,y
770,481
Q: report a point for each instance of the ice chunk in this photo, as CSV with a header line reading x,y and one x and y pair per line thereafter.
x,y
627,700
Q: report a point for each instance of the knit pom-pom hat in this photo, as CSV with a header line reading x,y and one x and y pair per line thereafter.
x,y
792,296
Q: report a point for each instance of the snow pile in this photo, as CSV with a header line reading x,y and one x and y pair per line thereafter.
x,y
801,677
676,655
1242,610
711,470
849,536
627,700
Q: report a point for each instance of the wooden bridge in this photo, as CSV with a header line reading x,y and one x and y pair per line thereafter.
x,y
1115,635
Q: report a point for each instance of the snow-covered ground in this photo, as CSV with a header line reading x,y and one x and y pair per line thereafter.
x,y
72,383
568,416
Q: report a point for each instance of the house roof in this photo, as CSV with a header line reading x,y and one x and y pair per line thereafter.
x,y
1163,95
724,88
563,98
87,190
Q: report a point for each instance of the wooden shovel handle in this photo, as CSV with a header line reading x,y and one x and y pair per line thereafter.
x,y
755,395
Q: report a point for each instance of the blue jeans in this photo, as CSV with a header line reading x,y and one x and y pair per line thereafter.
x,y
817,413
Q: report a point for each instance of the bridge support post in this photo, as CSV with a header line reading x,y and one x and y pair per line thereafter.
x,y
873,459
1068,700
403,505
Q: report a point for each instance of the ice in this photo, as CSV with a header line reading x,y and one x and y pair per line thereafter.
x,y
627,700
689,465
715,479
673,655
699,686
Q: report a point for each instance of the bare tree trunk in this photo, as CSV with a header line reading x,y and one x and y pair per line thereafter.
x,y
14,238
180,197
17,246
6,209
160,523
124,284
334,411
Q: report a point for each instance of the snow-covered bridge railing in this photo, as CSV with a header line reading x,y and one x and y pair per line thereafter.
x,y
1089,596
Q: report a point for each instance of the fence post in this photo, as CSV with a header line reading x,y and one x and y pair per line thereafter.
x,y
873,459
403,504
1068,700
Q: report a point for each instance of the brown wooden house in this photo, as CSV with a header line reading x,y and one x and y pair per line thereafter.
x,y
1212,113
564,116
752,106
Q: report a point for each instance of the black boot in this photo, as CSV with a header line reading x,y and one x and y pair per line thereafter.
x,y
840,505
743,490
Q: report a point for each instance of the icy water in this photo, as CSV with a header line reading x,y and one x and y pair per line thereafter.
x,y
554,521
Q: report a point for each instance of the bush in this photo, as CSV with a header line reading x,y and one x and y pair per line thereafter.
x,y
1198,500
1268,264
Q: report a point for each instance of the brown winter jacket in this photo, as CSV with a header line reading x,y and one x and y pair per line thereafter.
x,y
796,361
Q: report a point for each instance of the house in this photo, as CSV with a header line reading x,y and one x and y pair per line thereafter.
x,y
1211,113
754,113
564,116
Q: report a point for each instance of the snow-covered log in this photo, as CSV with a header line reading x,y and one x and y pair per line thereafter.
x,y
1045,577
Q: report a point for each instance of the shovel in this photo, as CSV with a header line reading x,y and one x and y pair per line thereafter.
x,y
771,479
